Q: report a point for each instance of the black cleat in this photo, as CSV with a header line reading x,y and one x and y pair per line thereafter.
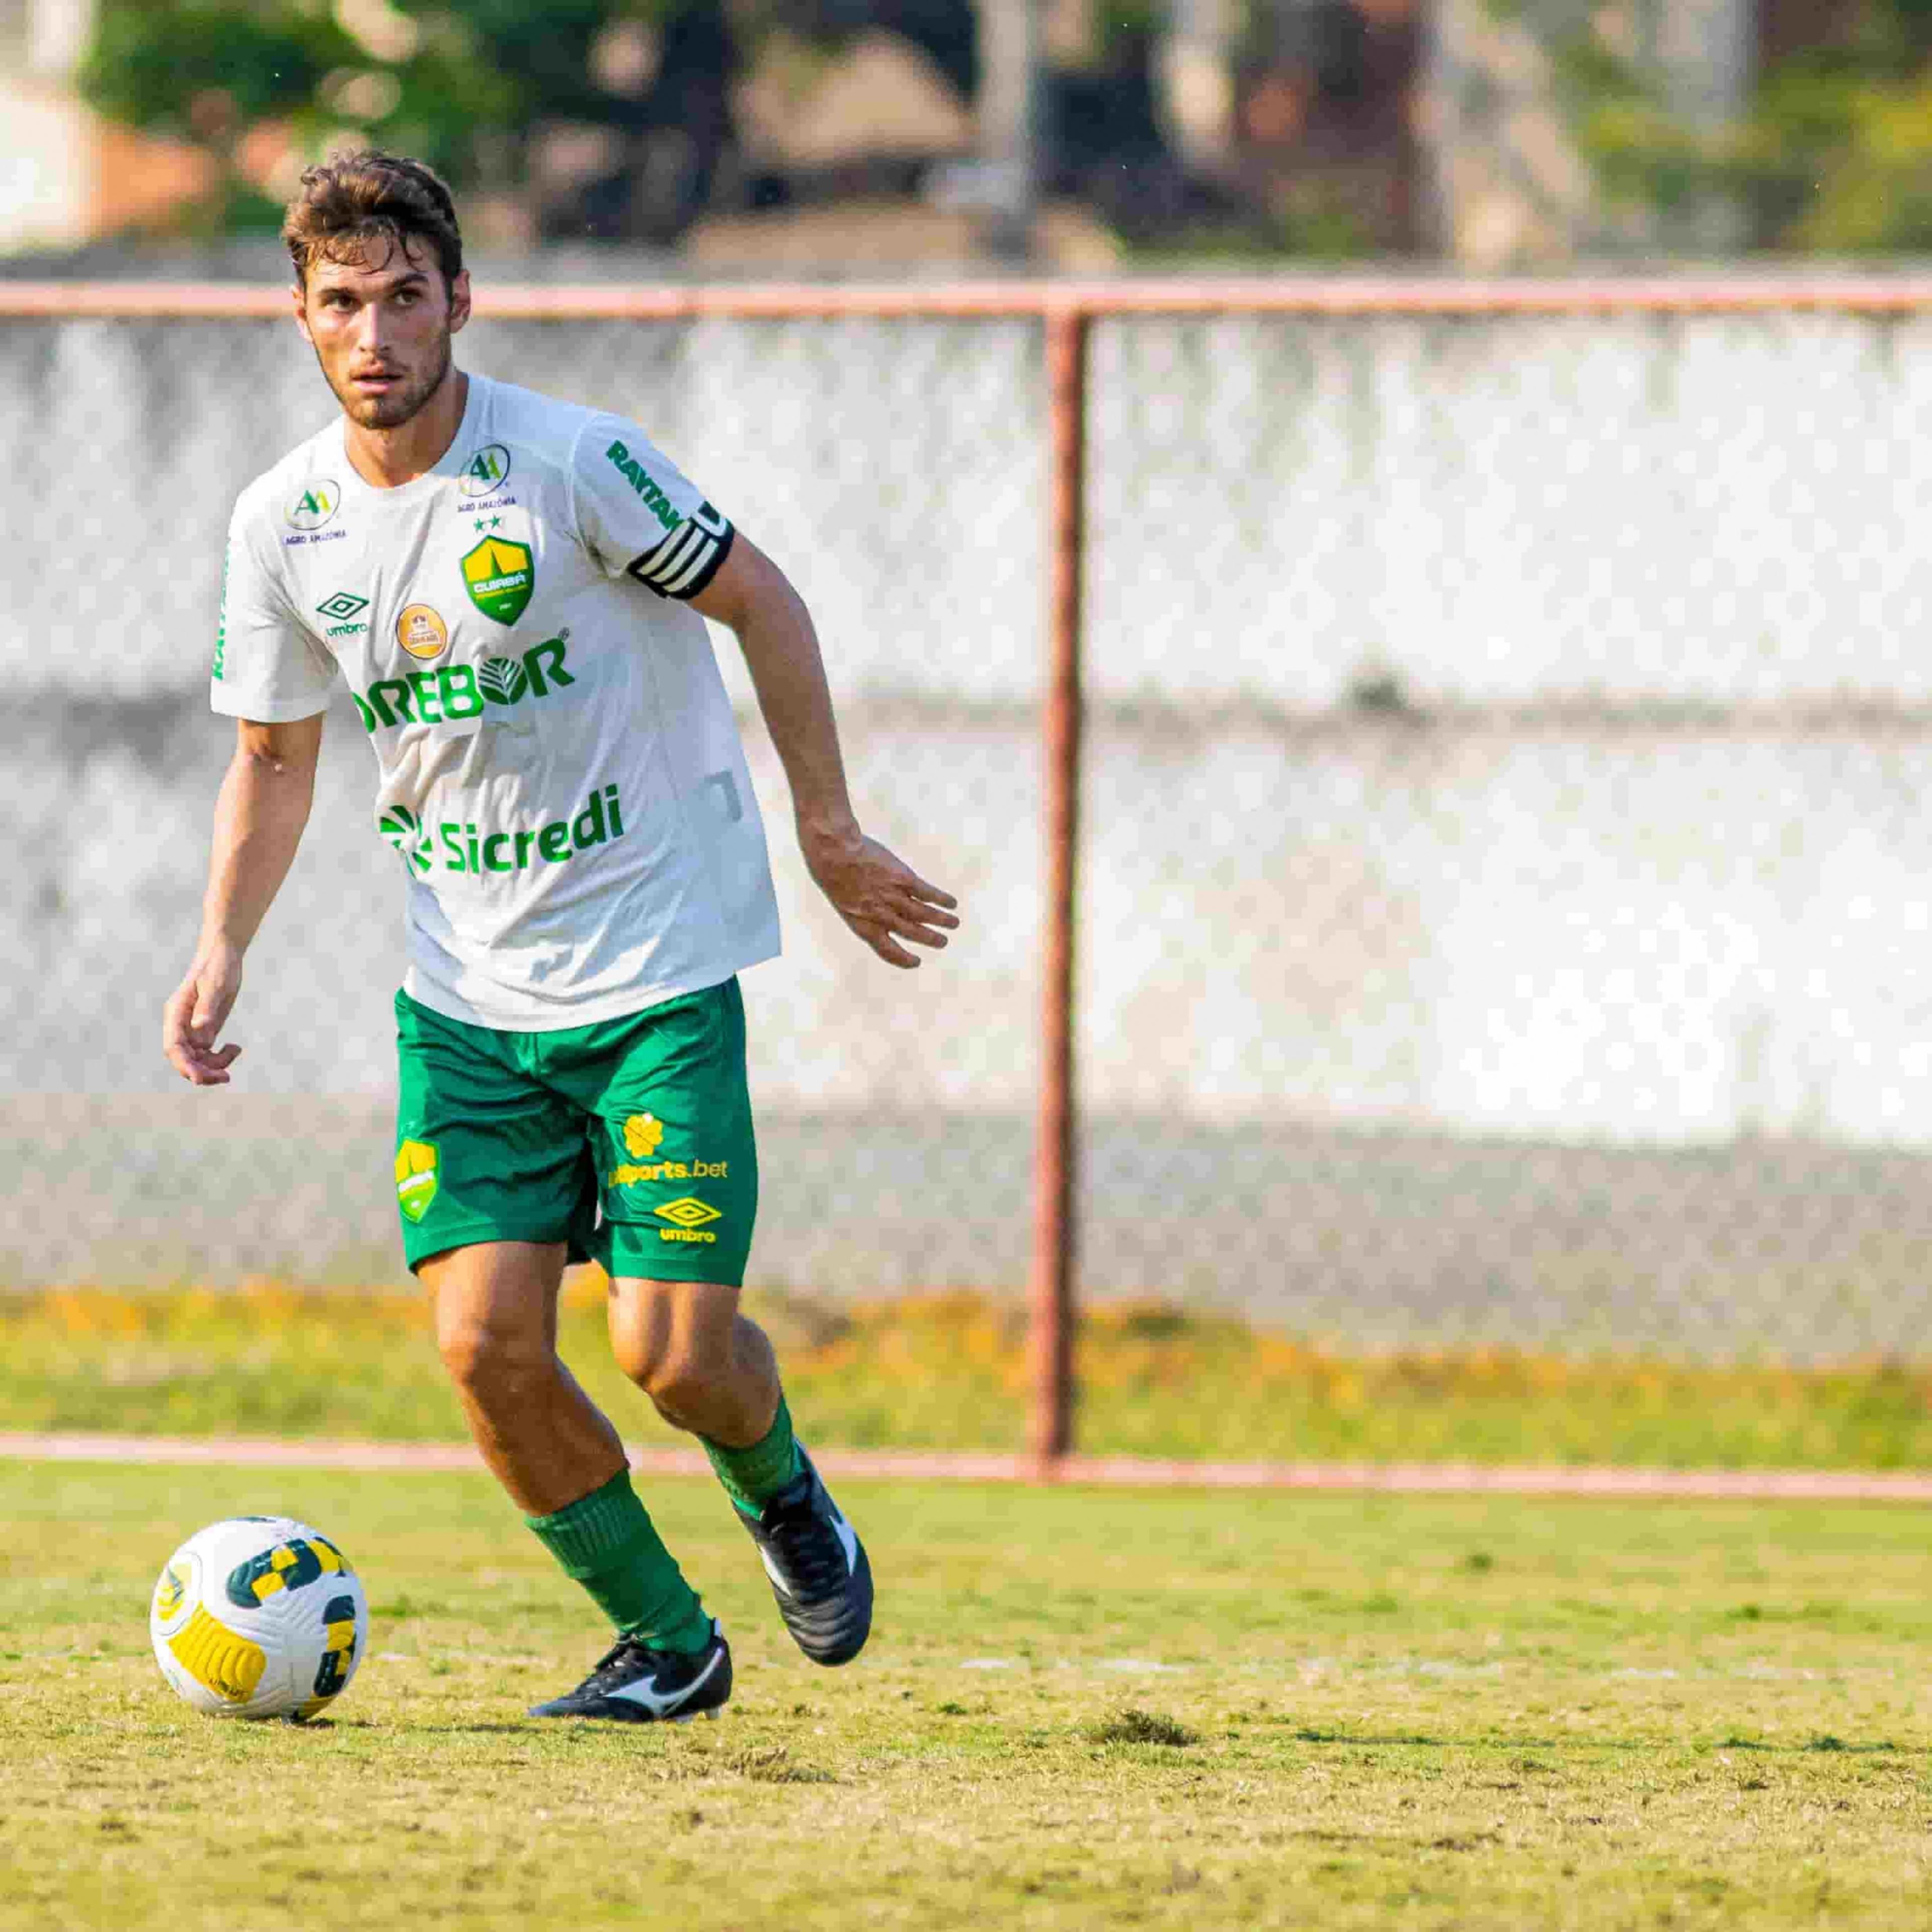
x,y
635,1685
817,1566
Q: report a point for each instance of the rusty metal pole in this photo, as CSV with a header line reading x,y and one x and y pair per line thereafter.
x,y
1052,1431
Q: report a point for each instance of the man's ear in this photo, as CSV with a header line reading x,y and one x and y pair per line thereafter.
x,y
298,295
459,301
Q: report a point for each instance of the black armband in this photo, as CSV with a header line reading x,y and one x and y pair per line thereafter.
x,y
688,559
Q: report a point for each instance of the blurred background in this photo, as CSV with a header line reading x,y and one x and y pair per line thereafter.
x,y
831,136
1506,878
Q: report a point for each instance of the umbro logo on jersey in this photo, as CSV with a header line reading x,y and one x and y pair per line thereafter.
x,y
344,607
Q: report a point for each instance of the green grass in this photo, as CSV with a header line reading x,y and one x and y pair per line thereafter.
x,y
1078,1710
949,1372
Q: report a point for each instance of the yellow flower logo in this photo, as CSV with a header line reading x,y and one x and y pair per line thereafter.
x,y
643,1133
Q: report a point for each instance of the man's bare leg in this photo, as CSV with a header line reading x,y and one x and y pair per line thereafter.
x,y
496,1328
706,1369
710,1371
558,1455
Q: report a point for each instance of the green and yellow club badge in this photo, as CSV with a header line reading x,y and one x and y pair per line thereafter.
x,y
415,1177
500,575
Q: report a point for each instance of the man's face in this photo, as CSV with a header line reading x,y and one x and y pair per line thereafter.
x,y
380,327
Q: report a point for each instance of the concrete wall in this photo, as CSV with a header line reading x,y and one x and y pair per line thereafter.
x,y
1505,734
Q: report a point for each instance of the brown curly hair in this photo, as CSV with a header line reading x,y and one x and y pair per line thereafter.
x,y
349,201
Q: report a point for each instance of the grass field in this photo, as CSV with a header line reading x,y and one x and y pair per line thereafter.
x,y
1078,1710
950,1372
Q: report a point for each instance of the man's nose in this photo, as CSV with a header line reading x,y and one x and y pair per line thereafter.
x,y
372,329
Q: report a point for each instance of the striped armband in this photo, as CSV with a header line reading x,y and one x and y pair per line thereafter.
x,y
688,559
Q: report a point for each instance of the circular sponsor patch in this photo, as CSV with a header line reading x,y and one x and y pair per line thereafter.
x,y
422,632
314,503
488,469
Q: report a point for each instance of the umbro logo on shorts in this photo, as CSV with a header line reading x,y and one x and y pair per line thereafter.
x,y
688,1216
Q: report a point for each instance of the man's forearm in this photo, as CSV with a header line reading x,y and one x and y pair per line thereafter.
x,y
781,646
259,819
875,892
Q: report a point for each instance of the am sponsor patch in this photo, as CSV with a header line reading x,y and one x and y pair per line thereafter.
x,y
314,504
486,472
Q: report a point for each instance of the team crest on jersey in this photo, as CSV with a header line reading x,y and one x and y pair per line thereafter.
x,y
421,631
314,504
501,578
488,469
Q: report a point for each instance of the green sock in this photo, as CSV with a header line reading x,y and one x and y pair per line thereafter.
x,y
606,1542
752,1476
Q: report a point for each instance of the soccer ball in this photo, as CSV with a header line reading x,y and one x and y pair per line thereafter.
x,y
260,1616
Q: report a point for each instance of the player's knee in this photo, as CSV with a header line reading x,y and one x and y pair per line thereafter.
x,y
492,1364
682,1379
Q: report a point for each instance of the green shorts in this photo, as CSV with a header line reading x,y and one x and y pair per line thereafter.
x,y
630,1139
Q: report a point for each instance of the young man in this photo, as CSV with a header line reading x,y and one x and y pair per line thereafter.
x,y
510,587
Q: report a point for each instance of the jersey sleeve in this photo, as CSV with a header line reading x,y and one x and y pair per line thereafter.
x,y
639,516
267,665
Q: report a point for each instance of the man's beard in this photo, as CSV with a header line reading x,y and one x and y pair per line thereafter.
x,y
392,411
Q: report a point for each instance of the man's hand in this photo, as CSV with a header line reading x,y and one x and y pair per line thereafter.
x,y
258,824
881,899
195,1015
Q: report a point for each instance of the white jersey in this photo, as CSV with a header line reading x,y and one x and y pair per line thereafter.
x,y
560,769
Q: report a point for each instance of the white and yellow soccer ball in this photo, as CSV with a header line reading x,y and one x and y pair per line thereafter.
x,y
258,1616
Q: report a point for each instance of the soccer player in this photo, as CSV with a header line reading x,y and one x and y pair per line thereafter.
x,y
512,587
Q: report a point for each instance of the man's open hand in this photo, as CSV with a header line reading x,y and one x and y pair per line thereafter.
x,y
881,898
194,1017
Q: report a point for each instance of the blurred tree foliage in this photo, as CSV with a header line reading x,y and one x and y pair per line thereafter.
x,y
465,85
1833,156
455,82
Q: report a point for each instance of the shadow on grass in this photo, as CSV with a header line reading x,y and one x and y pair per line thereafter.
x,y
1309,1734
537,1727
1824,1742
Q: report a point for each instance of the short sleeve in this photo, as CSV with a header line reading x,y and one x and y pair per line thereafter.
x,y
266,666
640,516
